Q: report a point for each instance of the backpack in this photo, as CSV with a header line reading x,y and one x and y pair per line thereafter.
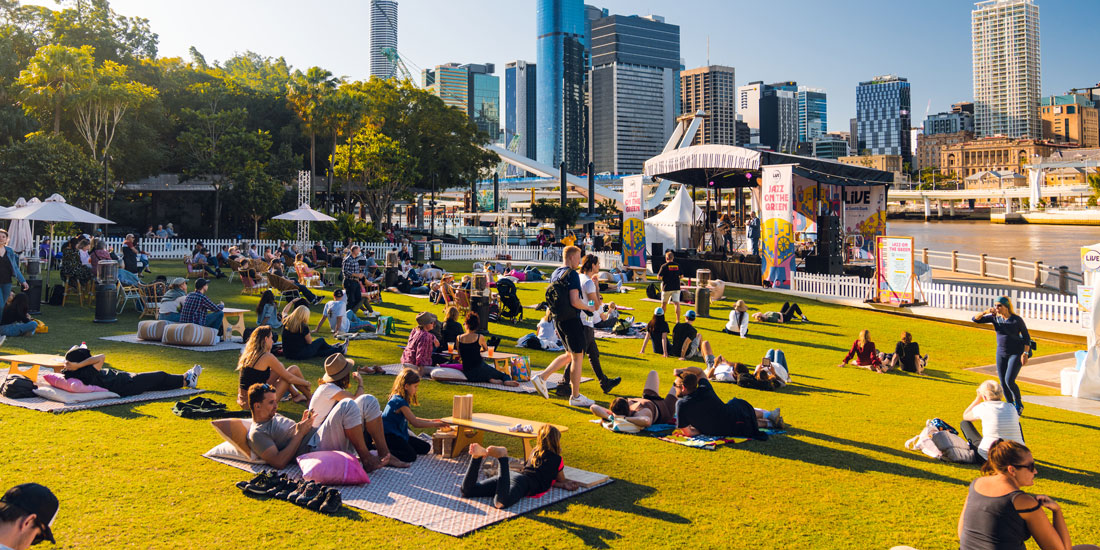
x,y
623,325
557,298
57,295
652,293
17,386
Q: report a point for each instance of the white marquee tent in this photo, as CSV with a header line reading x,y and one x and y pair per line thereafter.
x,y
672,226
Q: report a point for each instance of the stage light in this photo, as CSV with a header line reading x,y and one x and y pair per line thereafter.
x,y
710,183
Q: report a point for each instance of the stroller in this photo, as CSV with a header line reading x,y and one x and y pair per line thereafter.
x,y
510,306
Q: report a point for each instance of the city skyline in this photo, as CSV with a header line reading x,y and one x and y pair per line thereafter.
x,y
932,48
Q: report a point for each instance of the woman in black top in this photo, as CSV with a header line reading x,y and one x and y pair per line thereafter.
x,y
470,345
297,341
543,471
657,331
906,353
451,327
1013,346
998,515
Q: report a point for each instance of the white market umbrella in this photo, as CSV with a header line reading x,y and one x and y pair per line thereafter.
x,y
54,209
304,214
20,236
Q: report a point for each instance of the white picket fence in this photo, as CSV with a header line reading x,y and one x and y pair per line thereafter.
x,y
178,249
1042,306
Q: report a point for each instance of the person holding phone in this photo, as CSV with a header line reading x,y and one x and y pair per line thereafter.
x,y
1013,346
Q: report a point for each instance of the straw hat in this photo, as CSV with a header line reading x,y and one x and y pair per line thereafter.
x,y
740,306
337,367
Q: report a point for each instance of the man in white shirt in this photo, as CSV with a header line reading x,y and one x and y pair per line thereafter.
x,y
339,318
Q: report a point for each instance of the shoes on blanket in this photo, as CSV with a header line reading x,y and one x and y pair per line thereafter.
x,y
191,377
307,494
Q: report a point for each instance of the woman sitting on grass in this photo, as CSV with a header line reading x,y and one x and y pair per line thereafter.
x,y
999,419
16,319
656,331
543,471
470,345
739,320
865,354
398,416
298,343
907,353
997,513
257,365
266,314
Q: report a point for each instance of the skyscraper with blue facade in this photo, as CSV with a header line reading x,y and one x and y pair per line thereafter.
x,y
812,117
483,98
562,50
883,116
520,107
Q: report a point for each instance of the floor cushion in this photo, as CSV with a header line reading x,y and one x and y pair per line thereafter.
x,y
235,432
332,468
447,373
71,385
190,334
152,331
61,396
225,449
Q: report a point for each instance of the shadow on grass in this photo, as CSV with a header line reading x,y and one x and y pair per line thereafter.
x,y
798,343
939,376
804,451
624,499
798,388
1068,474
1029,418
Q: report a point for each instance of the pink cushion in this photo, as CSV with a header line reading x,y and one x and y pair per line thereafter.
x,y
520,276
332,468
71,385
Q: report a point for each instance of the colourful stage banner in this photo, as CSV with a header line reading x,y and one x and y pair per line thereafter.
x,y
633,222
777,227
865,215
805,202
894,270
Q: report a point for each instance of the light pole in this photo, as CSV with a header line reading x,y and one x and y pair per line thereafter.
x,y
432,232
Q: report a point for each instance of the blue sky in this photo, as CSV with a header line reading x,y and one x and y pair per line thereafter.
x,y
830,44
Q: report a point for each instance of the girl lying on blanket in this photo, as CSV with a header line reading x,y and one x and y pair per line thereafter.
x,y
398,416
89,369
543,471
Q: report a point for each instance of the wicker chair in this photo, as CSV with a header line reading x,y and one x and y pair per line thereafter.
x,y
285,289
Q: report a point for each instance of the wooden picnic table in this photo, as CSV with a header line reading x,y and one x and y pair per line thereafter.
x,y
237,325
36,360
494,423
500,360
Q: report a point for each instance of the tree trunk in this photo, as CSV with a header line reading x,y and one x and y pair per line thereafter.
x,y
255,228
217,208
331,164
57,117
347,193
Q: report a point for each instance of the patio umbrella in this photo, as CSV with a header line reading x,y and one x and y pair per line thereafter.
x,y
53,210
19,231
303,215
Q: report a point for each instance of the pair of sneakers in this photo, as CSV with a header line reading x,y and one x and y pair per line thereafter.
x,y
578,401
307,494
191,377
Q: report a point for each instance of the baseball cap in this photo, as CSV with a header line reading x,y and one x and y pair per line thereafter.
x,y
690,315
36,499
201,283
658,310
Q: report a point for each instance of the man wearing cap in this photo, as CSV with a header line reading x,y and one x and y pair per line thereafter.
x,y
27,512
196,305
685,339
338,317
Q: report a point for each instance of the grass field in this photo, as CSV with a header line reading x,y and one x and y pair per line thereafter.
x,y
131,476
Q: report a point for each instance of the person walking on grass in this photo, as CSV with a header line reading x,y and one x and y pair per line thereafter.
x,y
564,301
27,513
670,274
1013,346
590,292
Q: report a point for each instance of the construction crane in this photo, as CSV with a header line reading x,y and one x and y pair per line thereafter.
x,y
394,57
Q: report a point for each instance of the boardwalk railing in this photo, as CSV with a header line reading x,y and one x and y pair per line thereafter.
x,y
1029,304
178,249
1009,269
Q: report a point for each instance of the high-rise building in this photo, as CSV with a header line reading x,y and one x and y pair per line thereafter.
x,y
812,113
830,146
383,34
929,147
483,97
1005,36
635,87
882,111
1070,118
741,133
713,90
560,81
853,136
748,106
779,117
520,107
950,122
451,83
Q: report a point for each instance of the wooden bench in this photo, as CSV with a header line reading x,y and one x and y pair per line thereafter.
x,y
35,360
493,423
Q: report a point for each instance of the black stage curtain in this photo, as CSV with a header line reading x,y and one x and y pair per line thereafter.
x,y
744,273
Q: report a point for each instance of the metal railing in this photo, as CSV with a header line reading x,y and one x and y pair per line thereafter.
x,y
1040,275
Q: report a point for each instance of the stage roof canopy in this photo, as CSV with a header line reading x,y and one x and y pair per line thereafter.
x,y
724,166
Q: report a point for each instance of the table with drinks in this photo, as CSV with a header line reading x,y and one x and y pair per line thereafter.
x,y
500,360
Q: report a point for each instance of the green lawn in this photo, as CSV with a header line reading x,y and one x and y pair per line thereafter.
x,y
132,475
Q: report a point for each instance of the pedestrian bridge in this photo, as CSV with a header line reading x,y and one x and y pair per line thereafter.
x,y
1021,192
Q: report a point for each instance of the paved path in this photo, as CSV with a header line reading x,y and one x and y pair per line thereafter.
x,y
1046,371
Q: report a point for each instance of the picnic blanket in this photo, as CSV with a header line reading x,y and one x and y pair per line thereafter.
x,y
637,331
667,432
45,405
523,387
232,345
425,494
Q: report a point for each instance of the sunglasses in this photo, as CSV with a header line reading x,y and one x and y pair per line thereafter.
x,y
1027,466
267,387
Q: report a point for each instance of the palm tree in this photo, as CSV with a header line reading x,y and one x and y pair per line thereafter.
x,y
305,93
54,76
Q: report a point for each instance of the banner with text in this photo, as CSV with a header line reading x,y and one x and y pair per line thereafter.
x,y
865,215
633,222
777,227
894,270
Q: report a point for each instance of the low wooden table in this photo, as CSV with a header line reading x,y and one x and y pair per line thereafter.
x,y
501,361
493,423
36,360
229,327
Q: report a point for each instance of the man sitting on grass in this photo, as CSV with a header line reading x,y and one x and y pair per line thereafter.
x,y
699,411
196,305
685,339
278,440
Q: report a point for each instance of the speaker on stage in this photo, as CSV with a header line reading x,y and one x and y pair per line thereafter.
x,y
657,255
597,242
830,246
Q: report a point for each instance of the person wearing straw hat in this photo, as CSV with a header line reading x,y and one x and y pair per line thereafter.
x,y
333,387
27,513
739,320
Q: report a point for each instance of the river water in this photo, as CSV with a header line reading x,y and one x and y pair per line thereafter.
x,y
1054,245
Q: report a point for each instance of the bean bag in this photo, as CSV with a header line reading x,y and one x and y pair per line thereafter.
x,y
151,330
189,334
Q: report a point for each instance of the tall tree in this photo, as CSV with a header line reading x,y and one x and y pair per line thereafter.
x,y
53,77
44,164
305,94
102,105
256,194
384,168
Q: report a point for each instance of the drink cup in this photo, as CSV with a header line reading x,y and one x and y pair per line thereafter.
x,y
491,351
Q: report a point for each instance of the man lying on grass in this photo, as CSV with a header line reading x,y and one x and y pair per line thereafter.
x,y
91,370
278,440
699,411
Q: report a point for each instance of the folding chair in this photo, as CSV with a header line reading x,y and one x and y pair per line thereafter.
x,y
150,300
285,290
128,293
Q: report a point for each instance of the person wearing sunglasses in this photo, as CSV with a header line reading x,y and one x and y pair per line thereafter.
x,y
997,513
1013,346
27,512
